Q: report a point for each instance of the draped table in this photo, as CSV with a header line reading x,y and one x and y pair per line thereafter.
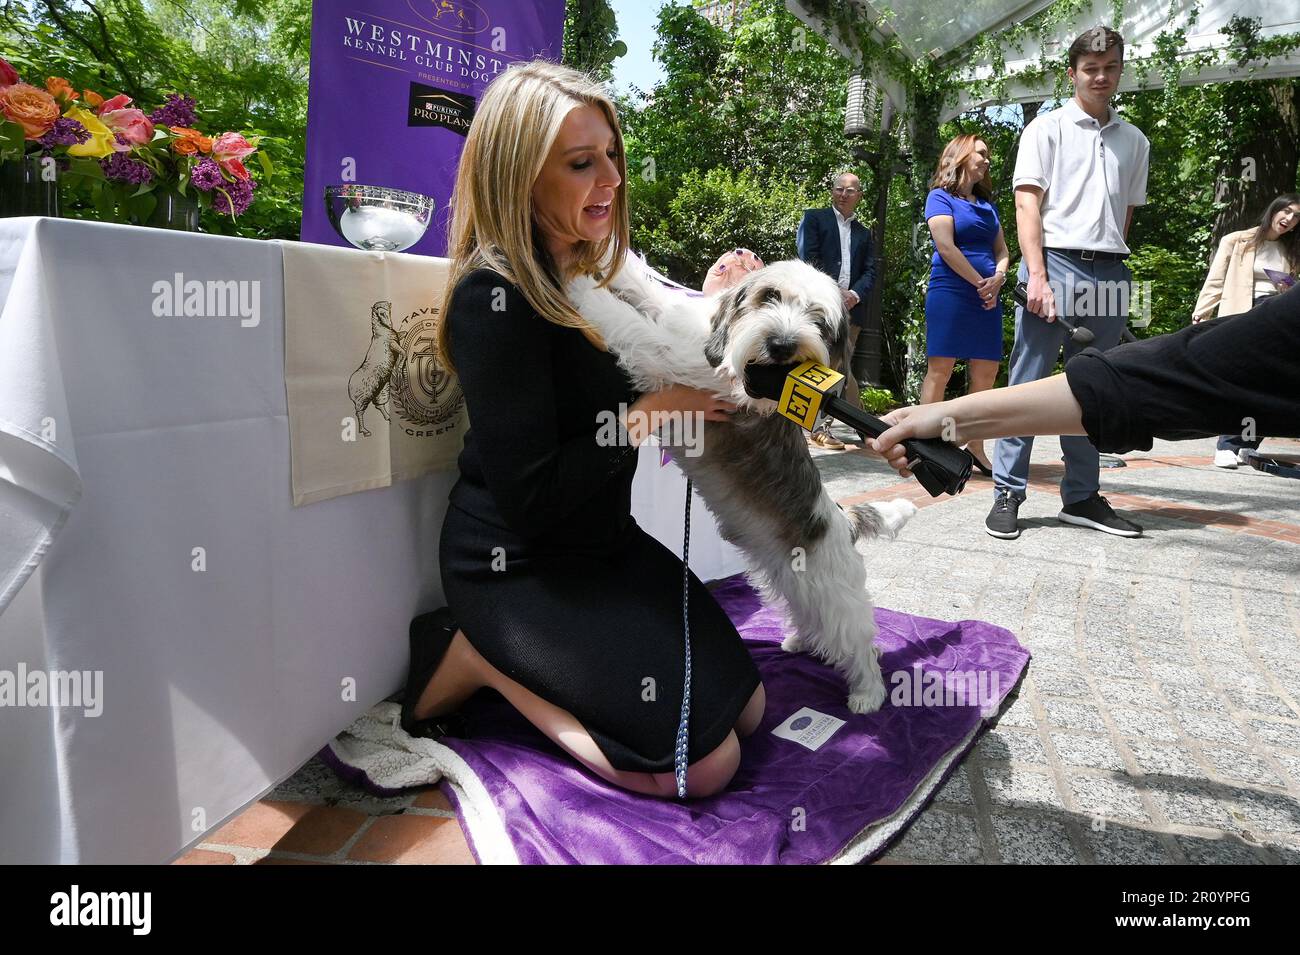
x,y
211,636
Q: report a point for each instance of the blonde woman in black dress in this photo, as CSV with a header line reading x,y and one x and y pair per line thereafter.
x,y
557,599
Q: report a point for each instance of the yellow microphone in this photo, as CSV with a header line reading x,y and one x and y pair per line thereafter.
x,y
806,389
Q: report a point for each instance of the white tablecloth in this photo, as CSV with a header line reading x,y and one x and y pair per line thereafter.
x,y
223,669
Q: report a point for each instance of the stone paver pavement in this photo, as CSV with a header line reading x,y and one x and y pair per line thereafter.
x,y
1159,721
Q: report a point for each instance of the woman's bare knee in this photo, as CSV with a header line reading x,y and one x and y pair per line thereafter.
x,y
983,373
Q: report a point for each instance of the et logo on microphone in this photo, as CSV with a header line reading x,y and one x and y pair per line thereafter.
x,y
805,389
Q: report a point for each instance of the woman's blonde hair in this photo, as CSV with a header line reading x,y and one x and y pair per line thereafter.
x,y
492,226
952,167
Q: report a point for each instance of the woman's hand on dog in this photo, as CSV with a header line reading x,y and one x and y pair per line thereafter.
x,y
643,417
688,401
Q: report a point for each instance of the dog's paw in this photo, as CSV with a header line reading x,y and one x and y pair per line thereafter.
x,y
867,701
894,514
793,643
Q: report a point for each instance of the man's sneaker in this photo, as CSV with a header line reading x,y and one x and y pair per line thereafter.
x,y
1001,521
1225,458
1096,512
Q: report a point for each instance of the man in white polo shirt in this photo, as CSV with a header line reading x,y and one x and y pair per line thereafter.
x,y
1079,174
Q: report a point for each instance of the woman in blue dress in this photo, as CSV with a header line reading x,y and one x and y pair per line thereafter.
x,y
963,314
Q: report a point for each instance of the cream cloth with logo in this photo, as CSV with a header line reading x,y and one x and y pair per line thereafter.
x,y
359,349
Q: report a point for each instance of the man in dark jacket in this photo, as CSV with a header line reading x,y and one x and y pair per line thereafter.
x,y
834,241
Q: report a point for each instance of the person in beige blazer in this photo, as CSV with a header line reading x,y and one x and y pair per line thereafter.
x,y
1238,281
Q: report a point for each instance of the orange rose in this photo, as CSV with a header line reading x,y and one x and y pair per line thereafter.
x,y
33,109
92,98
61,89
189,141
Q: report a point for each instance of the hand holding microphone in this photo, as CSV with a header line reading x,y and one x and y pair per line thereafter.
x,y
1038,298
805,390
903,426
1080,336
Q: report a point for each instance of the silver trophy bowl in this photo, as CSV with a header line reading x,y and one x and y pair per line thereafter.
x,y
376,218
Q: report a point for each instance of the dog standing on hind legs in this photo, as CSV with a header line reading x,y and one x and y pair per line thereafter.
x,y
754,472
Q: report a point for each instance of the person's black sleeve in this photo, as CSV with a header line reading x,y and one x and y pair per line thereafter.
x,y
1219,377
501,349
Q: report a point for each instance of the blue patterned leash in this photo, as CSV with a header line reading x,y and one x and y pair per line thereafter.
x,y
679,754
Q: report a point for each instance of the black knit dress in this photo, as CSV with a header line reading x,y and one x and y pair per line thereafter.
x,y
544,567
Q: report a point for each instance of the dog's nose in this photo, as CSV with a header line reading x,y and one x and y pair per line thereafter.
x,y
781,349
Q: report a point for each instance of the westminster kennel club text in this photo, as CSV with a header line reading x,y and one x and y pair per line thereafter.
x,y
421,51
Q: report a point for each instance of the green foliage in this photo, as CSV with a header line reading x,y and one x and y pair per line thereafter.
x,y
717,210
878,400
591,42
741,137
1175,278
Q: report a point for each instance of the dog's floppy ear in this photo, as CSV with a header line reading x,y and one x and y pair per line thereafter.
x,y
715,349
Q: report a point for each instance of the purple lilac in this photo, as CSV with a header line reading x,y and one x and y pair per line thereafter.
x,y
177,111
206,175
120,167
64,132
240,192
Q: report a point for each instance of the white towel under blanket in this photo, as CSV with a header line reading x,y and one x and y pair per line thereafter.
x,y
377,745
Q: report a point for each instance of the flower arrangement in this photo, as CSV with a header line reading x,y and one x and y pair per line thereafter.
x,y
124,158
32,120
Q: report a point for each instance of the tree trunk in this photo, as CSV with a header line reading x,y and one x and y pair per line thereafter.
x,y
1265,165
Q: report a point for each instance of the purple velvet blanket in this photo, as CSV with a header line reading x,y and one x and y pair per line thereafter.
x,y
843,801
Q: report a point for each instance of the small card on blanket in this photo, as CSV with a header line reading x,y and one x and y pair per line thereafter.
x,y
368,402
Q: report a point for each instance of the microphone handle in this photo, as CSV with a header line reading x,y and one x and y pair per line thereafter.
x,y
941,467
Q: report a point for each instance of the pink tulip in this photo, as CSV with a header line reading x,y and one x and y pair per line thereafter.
x,y
229,149
130,124
8,75
120,101
235,168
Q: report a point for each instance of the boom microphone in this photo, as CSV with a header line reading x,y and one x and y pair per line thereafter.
x,y
803,391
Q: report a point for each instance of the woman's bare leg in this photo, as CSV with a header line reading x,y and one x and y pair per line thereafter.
x,y
983,373
938,371
464,670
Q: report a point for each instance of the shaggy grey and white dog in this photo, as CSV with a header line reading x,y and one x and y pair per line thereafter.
x,y
754,472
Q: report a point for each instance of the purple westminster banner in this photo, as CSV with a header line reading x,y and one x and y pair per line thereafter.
x,y
393,88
